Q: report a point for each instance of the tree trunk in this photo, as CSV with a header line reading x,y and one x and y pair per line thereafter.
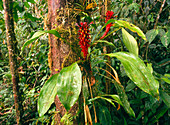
x,y
12,48
60,52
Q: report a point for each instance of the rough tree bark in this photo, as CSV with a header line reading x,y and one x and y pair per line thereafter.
x,y
59,51
12,48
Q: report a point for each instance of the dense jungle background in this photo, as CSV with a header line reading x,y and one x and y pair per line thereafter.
x,y
76,62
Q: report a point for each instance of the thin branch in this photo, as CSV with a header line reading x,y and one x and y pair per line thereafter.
x,y
93,102
160,11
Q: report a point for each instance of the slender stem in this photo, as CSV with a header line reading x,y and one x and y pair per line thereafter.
x,y
160,11
85,114
93,102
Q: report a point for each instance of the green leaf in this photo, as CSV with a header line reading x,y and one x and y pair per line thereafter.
x,y
130,42
130,1
125,24
104,116
38,34
69,85
130,86
131,27
165,97
116,99
31,1
1,5
15,15
151,34
161,32
124,99
121,99
100,97
66,84
138,72
33,38
104,41
26,4
149,66
166,78
54,32
160,113
47,95
30,16
166,39
134,6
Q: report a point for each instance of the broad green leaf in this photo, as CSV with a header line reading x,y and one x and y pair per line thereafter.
x,y
138,72
69,83
66,84
165,97
47,95
131,27
38,34
166,39
151,34
130,42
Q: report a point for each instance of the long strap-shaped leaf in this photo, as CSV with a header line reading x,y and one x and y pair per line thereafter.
x,y
40,33
121,93
138,72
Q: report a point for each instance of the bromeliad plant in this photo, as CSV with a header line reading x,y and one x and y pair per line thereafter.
x,y
84,37
69,82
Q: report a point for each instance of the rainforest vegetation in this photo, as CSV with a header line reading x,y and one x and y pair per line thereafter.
x,y
84,62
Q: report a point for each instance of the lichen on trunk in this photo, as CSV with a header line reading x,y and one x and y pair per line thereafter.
x,y
12,49
60,52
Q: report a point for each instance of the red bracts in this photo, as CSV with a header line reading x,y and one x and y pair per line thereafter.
x,y
109,15
84,37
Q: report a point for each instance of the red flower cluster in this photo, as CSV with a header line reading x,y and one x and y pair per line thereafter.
x,y
84,37
109,15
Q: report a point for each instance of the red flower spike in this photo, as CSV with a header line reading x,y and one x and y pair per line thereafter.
x,y
84,37
109,15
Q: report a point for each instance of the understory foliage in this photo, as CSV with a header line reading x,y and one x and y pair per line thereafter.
x,y
122,74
